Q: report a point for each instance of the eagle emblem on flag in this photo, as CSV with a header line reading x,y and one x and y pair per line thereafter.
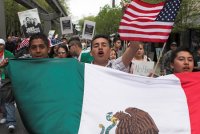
x,y
132,121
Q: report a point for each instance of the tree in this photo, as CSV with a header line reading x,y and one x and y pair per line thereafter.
x,y
188,15
107,20
12,20
65,6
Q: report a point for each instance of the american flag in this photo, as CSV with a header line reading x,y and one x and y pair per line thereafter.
x,y
24,43
148,22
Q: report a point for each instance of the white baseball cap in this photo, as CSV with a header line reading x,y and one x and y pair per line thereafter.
x,y
2,41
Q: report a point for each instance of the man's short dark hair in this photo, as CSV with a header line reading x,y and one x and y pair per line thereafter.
x,y
39,36
115,39
179,49
64,39
101,36
75,41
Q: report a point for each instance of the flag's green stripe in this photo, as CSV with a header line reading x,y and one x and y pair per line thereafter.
x,y
49,94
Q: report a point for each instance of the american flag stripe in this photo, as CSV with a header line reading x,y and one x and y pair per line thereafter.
x,y
141,12
149,23
130,18
144,38
138,22
24,43
140,8
147,6
146,33
148,26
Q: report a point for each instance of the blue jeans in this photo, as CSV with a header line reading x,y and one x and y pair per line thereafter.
x,y
9,113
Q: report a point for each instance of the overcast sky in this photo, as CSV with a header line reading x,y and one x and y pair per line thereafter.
x,y
81,8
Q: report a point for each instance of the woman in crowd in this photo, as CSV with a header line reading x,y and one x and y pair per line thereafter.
x,y
53,52
182,60
113,54
62,51
139,56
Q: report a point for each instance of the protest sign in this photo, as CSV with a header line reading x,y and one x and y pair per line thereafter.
x,y
66,25
51,34
142,68
30,22
88,29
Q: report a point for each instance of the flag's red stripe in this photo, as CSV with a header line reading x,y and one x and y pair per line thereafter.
x,y
138,19
24,43
144,33
140,2
191,85
136,16
142,39
146,26
143,11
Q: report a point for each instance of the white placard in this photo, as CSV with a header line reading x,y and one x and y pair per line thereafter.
x,y
142,68
51,33
66,25
88,29
30,22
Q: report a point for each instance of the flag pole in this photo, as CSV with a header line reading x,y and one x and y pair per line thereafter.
x,y
154,71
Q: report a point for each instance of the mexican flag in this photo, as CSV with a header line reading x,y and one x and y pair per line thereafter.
x,y
64,96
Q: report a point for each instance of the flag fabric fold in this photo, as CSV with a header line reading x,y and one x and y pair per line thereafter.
x,y
66,96
148,22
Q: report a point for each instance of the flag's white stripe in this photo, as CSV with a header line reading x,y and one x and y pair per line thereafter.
x,y
143,36
114,91
133,18
149,30
146,8
141,14
148,23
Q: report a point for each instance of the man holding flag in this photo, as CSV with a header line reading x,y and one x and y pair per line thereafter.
x,y
100,50
88,105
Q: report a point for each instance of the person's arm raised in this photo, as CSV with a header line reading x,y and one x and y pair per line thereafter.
x,y
4,62
130,52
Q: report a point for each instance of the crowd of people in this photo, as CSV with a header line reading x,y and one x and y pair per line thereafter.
x,y
102,51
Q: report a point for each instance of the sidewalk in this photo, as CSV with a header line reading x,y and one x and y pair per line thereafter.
x,y
20,129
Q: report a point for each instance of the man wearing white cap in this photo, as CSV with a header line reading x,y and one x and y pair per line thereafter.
x,y
4,53
6,97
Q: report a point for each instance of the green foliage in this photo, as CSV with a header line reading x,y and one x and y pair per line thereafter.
x,y
64,5
48,8
107,21
44,5
188,15
12,20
